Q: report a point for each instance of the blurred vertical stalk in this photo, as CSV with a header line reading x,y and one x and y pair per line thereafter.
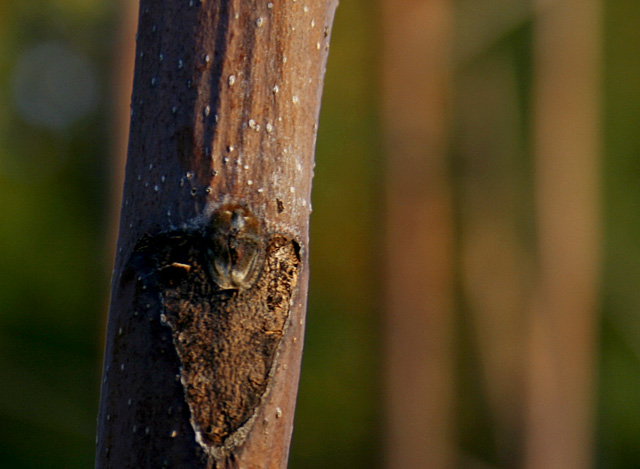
x,y
416,86
495,264
566,147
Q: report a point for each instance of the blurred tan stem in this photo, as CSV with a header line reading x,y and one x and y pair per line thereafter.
x,y
495,262
416,81
566,146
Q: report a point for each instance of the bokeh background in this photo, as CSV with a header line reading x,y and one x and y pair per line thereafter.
x,y
65,70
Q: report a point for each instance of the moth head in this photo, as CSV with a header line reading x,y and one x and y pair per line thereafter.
x,y
235,248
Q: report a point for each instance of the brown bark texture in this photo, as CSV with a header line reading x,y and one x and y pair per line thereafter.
x,y
216,204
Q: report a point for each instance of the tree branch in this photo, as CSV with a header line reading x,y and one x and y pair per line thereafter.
x,y
224,117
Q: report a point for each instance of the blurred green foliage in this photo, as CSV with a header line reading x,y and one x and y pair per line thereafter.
x,y
54,261
619,411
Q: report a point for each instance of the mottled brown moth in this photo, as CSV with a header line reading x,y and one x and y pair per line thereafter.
x,y
226,288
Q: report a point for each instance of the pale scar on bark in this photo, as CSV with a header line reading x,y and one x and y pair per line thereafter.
x,y
226,289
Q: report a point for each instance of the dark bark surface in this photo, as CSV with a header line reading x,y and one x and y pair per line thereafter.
x,y
224,113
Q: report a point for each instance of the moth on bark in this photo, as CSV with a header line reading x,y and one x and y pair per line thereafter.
x,y
225,288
